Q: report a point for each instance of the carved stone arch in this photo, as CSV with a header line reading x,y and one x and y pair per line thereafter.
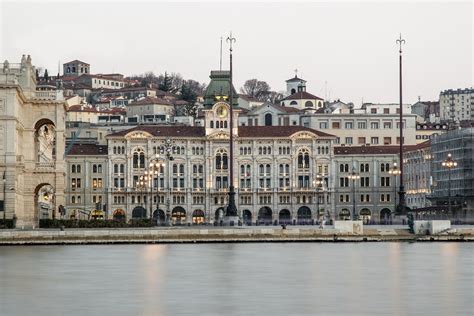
x,y
45,200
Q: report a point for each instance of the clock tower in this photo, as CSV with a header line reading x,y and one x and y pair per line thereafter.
x,y
217,104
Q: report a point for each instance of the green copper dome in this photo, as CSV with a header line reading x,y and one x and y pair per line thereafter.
x,y
219,86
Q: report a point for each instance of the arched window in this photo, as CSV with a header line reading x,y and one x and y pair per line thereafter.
x,y
181,168
78,168
94,168
293,103
115,150
303,159
268,169
308,104
116,168
73,168
268,119
225,124
122,168
293,91
221,159
269,150
211,124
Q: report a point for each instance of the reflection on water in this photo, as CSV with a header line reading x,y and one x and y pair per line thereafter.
x,y
238,279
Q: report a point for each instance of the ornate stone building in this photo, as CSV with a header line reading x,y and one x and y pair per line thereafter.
x,y
282,173
31,145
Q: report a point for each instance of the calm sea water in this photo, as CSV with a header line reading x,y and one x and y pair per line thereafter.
x,y
239,279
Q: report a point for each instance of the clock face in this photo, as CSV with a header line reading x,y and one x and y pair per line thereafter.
x,y
222,111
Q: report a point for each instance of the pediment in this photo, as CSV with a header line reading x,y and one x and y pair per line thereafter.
x,y
303,135
138,135
219,135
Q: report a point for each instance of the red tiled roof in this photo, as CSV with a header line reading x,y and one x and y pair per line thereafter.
x,y
243,131
366,150
276,131
301,95
150,100
417,146
87,149
287,109
376,150
295,78
77,61
159,130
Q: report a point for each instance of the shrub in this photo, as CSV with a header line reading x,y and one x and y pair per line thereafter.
x,y
8,223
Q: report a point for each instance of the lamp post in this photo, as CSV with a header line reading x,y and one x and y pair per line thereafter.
x,y
155,169
354,176
231,211
317,184
450,164
402,203
168,148
142,184
395,172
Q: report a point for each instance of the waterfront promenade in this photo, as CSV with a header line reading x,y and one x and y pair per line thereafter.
x,y
205,234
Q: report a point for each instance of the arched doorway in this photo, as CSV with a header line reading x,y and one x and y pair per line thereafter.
x,y
119,215
138,212
365,214
385,216
45,201
344,214
159,216
247,217
219,215
284,217
265,215
198,217
304,215
178,216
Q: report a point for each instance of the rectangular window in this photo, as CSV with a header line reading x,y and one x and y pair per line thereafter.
x,y
387,140
348,125
361,140
323,125
361,125
387,125
374,140
386,111
348,140
336,125
374,125
373,111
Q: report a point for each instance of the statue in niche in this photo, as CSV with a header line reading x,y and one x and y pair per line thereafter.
x,y
45,139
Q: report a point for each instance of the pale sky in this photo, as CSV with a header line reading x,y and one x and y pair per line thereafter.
x,y
349,45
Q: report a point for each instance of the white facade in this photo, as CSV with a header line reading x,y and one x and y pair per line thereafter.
x,y
457,105
31,145
364,129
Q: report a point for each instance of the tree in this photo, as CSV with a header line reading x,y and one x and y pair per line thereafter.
x,y
275,97
256,89
46,76
166,84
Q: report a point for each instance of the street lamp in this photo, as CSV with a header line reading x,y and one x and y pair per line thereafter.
x,y
450,164
318,185
155,169
168,148
353,176
395,172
